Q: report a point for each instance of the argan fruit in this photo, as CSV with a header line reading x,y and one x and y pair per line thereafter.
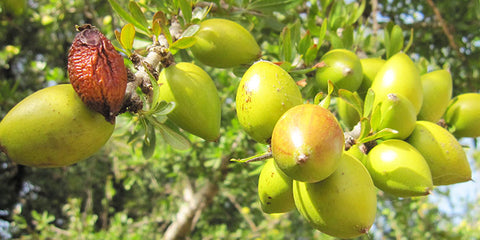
x,y
437,92
97,72
463,115
445,156
197,104
396,113
342,67
52,128
399,169
400,76
265,92
307,143
223,43
370,68
275,189
343,205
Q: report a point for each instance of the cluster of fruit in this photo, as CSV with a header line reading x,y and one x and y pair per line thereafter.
x,y
401,151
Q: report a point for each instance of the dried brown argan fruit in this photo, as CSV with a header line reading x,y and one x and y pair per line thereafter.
x,y
97,72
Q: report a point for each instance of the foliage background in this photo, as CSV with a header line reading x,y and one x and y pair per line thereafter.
x,y
118,194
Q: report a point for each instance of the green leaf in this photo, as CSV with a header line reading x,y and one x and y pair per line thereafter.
x,y
353,99
369,100
286,50
305,43
325,103
347,37
149,142
183,43
173,138
393,40
384,133
323,32
186,8
127,36
311,55
191,31
271,5
410,41
365,128
318,97
358,11
127,17
137,14
376,117
156,28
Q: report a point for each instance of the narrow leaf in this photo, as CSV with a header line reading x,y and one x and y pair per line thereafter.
x,y
156,29
358,13
353,99
127,36
286,39
183,43
149,143
126,16
365,128
191,30
384,133
369,100
186,8
325,103
173,138
137,13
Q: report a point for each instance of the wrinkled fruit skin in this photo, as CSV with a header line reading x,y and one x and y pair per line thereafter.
x,y
197,104
343,205
97,72
399,169
275,189
342,67
223,43
266,91
307,143
437,92
399,75
52,128
463,115
370,68
397,113
445,156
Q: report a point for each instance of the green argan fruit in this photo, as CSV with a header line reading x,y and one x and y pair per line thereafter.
x,y
275,189
396,113
370,68
265,92
223,43
437,91
444,154
342,67
52,128
463,115
399,75
399,169
348,115
307,143
197,108
343,205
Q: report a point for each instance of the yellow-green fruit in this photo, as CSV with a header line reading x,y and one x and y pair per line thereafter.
x,y
463,115
197,104
343,205
52,128
397,113
265,92
399,75
398,168
223,43
437,91
370,68
307,143
275,189
444,154
342,67
348,115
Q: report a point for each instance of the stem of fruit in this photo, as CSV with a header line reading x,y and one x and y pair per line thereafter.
x,y
256,158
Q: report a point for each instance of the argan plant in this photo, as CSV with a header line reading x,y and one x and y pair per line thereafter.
x,y
292,116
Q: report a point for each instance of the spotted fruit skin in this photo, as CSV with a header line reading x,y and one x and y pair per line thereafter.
x,y
397,113
399,169
370,68
265,92
275,189
197,104
463,115
343,205
400,76
52,128
307,143
437,92
445,156
342,67
97,72
223,43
